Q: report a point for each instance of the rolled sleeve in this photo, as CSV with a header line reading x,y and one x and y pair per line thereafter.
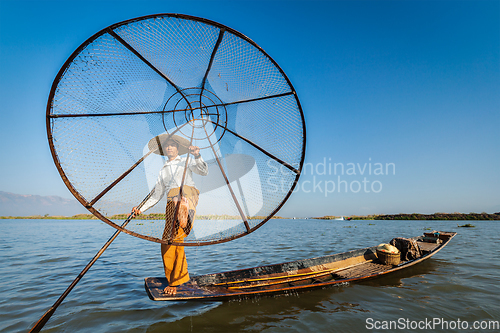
x,y
199,166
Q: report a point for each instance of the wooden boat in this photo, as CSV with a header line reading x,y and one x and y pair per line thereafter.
x,y
296,275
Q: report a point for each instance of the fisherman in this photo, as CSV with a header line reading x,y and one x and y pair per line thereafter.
x,y
172,176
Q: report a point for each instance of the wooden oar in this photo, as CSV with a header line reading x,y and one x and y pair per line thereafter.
x,y
287,278
43,320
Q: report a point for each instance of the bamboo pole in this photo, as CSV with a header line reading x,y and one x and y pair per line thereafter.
x,y
45,318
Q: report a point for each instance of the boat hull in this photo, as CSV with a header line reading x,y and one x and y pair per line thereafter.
x,y
292,276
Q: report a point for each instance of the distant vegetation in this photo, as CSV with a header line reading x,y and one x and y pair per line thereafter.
x,y
416,216
124,216
155,216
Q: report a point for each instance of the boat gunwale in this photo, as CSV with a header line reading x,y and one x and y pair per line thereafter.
x,y
317,261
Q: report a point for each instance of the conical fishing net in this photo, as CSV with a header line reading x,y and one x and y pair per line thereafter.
x,y
138,87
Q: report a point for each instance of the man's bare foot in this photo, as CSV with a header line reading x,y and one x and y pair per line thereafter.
x,y
170,290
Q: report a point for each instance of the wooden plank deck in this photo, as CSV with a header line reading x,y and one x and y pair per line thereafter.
x,y
365,269
427,247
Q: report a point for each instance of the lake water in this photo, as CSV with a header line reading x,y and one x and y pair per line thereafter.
x,y
40,258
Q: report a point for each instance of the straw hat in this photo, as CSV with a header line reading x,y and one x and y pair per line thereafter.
x,y
157,144
387,248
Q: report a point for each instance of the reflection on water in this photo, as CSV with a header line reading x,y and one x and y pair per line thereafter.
x,y
40,258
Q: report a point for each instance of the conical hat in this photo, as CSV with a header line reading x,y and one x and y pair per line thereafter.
x,y
157,144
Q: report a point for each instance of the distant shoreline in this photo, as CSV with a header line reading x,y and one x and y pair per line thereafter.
x,y
420,217
124,216
415,217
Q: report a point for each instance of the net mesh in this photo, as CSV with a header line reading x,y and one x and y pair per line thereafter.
x,y
135,85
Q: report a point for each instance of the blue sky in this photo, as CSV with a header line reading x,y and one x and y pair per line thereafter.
x,y
409,84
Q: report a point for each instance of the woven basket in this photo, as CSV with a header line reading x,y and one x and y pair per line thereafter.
x,y
389,258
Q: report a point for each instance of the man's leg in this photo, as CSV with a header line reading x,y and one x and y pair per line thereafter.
x,y
174,257
175,265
